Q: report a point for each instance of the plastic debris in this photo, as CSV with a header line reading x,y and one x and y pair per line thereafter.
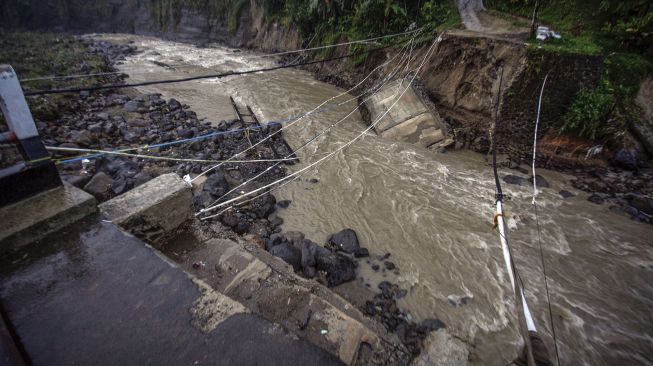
x,y
188,181
324,331
543,33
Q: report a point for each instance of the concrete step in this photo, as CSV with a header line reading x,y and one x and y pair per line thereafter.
x,y
409,120
268,286
94,295
37,216
244,272
420,130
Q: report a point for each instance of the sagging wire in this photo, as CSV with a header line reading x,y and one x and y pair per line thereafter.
x,y
311,112
376,88
342,147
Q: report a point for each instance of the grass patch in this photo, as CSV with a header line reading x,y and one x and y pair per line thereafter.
x,y
605,112
35,55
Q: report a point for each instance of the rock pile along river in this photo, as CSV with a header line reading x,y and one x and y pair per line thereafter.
x,y
434,213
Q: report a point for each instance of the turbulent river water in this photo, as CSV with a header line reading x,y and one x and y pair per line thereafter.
x,y
433,212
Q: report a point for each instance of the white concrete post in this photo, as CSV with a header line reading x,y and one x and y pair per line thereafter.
x,y
14,106
18,116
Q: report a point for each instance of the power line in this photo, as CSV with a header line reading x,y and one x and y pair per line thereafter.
x,y
337,44
314,138
314,109
349,143
144,156
537,223
210,76
292,119
77,76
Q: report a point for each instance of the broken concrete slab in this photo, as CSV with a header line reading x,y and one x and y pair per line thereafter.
x,y
410,119
35,217
407,107
268,286
441,349
114,300
152,210
419,130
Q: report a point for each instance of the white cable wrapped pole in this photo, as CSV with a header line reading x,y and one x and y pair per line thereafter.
x,y
507,258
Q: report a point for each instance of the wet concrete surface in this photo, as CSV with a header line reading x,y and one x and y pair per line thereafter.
x,y
99,296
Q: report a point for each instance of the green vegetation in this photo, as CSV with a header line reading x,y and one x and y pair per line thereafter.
x,y
330,21
620,30
324,21
43,54
590,26
603,113
365,18
168,12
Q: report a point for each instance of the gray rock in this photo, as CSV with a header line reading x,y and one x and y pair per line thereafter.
x,y
540,181
78,181
138,122
513,179
626,159
345,240
283,204
100,186
275,220
310,253
289,254
103,116
173,104
109,127
338,268
265,206
131,106
131,137
141,178
95,128
566,194
595,198
641,203
82,138
431,325
294,237
361,253
216,185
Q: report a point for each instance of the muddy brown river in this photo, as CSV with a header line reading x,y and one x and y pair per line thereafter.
x,y
433,212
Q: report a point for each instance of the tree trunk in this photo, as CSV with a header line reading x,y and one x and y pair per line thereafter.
x,y
536,9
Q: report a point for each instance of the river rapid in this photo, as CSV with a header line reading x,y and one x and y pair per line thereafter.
x,y
433,212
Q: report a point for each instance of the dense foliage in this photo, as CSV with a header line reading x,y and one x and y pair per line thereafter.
x,y
363,17
622,31
592,26
604,112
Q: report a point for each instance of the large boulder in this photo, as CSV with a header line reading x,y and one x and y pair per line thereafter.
x,y
288,253
626,159
310,253
345,240
514,179
295,238
264,205
641,203
100,186
216,185
540,181
338,268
